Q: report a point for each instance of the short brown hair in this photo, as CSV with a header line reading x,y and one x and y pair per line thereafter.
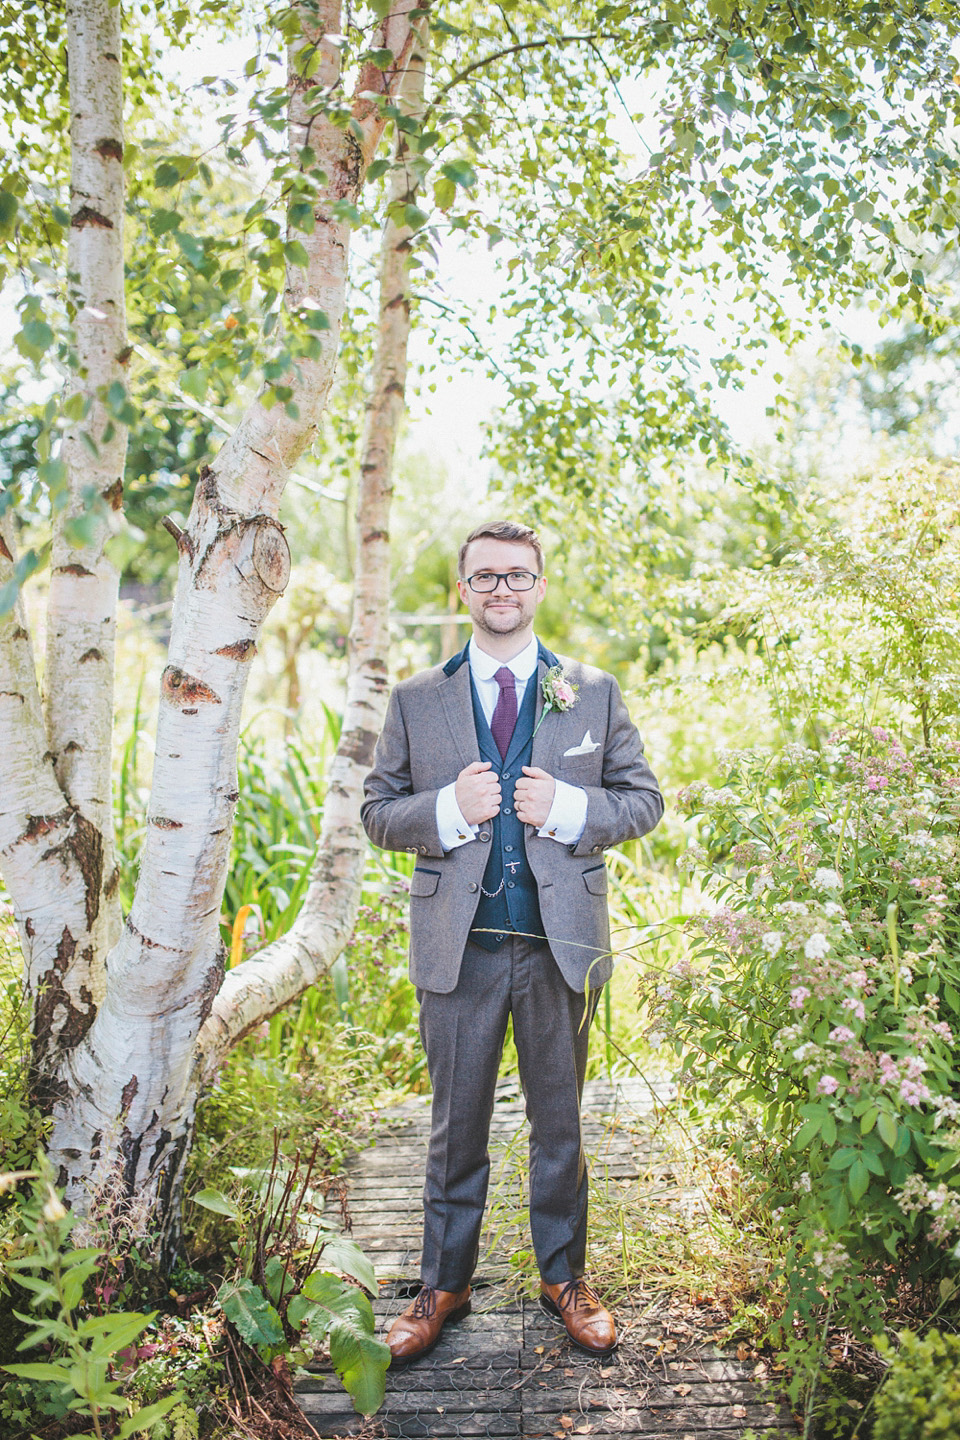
x,y
508,530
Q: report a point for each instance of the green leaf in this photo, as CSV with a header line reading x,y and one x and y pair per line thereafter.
x,y
59,1374
250,1312
145,1418
858,1180
8,213
359,1359
461,172
341,1253
720,201
808,1130
295,254
887,1128
163,221
829,1130
193,382
35,339
444,193
215,1200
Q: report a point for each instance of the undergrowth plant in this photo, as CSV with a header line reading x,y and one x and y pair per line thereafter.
x,y
286,1295
820,1008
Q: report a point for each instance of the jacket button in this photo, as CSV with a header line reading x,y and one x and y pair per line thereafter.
x,y
511,884
484,835
506,774
473,885
596,850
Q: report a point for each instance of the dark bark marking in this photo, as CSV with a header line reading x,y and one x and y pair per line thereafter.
x,y
72,570
12,695
239,650
91,654
211,983
38,825
20,633
114,493
372,537
86,215
233,796
181,689
130,1151
128,1093
358,745
109,148
124,355
143,939
72,747
53,997
110,888
86,847
162,823
190,712
4,551
95,1140
29,928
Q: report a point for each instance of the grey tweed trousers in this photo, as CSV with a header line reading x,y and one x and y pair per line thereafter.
x,y
463,1034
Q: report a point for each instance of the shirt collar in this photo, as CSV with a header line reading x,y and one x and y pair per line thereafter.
x,y
485,667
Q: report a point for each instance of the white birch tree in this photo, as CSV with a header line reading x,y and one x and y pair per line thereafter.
x,y
119,1012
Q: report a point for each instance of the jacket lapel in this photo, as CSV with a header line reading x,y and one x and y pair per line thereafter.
x,y
545,754
454,693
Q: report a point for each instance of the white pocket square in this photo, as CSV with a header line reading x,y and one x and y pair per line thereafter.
x,y
586,746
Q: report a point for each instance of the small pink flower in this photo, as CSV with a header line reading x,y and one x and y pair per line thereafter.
x,y
856,1006
842,1033
798,996
563,692
827,1084
911,1092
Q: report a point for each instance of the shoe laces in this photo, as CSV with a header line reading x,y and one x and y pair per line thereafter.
x,y
576,1292
425,1305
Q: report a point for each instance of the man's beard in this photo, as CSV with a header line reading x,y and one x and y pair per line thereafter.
x,y
518,621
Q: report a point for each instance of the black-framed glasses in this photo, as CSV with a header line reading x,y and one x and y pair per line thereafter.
x,y
485,581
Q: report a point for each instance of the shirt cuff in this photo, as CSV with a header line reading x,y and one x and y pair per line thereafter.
x,y
568,814
453,829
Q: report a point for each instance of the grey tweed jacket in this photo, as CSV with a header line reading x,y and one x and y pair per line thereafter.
x,y
429,736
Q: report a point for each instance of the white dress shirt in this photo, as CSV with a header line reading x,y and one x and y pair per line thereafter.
x,y
568,813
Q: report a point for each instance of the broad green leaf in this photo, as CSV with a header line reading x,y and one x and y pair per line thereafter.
x,y
216,1201
361,1363
250,1312
295,254
145,1418
461,172
341,1253
858,1180
887,1128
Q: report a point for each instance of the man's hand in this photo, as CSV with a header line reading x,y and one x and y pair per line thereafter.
x,y
533,796
478,793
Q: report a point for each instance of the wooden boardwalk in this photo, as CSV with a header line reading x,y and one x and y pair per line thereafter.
x,y
507,1370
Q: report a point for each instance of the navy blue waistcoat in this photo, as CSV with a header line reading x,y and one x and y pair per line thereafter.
x,y
516,907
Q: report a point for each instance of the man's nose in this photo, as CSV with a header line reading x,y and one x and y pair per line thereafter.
x,y
502,581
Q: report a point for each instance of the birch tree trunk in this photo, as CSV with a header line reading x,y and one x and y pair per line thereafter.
x,y
261,986
128,1091
56,842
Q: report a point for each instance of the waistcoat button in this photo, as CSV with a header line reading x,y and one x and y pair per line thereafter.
x,y
484,835
473,885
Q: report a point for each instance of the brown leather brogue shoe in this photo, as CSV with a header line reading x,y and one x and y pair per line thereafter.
x,y
577,1306
417,1330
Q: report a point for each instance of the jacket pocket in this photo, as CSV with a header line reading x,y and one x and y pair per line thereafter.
x,y
424,882
595,880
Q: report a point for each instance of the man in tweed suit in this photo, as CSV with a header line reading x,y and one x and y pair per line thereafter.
x,y
509,810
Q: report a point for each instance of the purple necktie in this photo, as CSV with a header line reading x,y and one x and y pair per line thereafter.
x,y
505,715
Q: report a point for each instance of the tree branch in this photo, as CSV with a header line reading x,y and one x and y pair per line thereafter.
x,y
259,987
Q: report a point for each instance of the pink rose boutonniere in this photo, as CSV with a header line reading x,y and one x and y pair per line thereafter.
x,y
558,693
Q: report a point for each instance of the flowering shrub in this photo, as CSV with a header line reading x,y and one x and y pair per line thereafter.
x,y
822,999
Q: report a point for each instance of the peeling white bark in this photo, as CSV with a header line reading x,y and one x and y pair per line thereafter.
x,y
261,986
81,627
131,1086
